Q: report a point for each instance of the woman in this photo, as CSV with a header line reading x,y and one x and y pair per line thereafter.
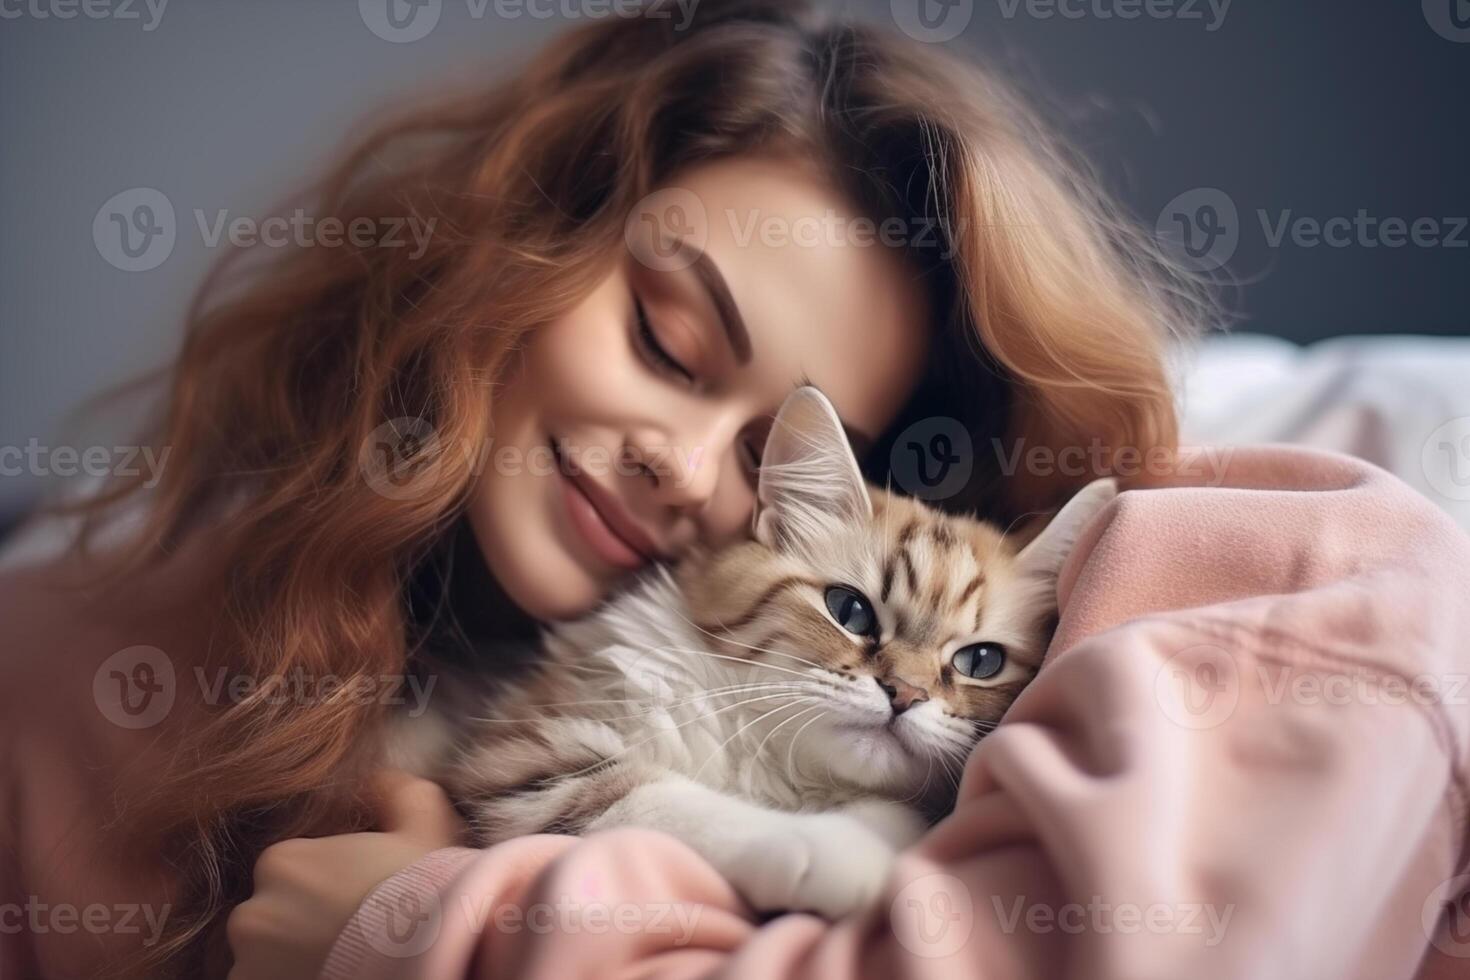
x,y
618,267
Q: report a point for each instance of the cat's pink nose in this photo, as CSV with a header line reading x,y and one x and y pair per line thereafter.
x,y
901,694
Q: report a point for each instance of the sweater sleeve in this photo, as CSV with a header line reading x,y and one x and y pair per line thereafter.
x,y
367,936
1241,759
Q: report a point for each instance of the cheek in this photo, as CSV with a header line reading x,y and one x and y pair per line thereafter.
x,y
834,651
980,703
574,369
587,353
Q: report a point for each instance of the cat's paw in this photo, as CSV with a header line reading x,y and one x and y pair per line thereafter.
x,y
828,863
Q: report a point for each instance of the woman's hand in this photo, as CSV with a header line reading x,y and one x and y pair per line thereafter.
x,y
306,889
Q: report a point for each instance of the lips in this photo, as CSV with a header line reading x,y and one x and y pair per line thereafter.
x,y
608,529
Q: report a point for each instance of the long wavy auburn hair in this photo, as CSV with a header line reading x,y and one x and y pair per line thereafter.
x,y
1055,317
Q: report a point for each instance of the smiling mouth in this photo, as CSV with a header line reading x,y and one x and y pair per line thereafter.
x,y
591,524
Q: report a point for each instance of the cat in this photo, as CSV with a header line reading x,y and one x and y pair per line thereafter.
x,y
796,707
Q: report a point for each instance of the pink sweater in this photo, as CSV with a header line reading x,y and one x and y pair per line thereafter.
x,y
1244,758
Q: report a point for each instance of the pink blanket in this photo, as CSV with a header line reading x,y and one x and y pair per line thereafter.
x,y
1244,757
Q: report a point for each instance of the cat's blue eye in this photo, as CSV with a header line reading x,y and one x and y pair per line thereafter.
x,y
980,661
851,610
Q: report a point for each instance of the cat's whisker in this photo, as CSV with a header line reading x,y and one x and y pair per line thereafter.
x,y
761,747
661,734
581,704
731,640
954,765
737,733
738,660
919,793
791,749
680,702
887,511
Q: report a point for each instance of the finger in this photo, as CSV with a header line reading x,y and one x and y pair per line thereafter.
x,y
416,808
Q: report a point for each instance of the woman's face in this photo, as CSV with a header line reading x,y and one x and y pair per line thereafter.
x,y
617,443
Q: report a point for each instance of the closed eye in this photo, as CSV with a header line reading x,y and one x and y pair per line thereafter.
x,y
659,359
654,353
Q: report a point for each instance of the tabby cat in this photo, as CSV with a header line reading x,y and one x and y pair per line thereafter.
x,y
796,707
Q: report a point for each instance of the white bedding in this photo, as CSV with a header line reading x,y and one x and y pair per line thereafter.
x,y
1402,402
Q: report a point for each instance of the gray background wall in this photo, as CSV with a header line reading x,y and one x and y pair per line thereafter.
x,y
1279,109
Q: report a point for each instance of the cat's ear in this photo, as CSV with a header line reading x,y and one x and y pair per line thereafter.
x,y
1046,554
810,483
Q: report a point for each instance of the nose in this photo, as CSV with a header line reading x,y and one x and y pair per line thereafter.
x,y
684,465
901,694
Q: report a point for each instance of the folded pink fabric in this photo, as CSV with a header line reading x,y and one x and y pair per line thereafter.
x,y
1244,757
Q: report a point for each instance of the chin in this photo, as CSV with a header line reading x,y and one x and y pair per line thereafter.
x,y
558,608
533,568
876,757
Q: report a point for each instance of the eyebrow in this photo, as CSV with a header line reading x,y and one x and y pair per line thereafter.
x,y
733,324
